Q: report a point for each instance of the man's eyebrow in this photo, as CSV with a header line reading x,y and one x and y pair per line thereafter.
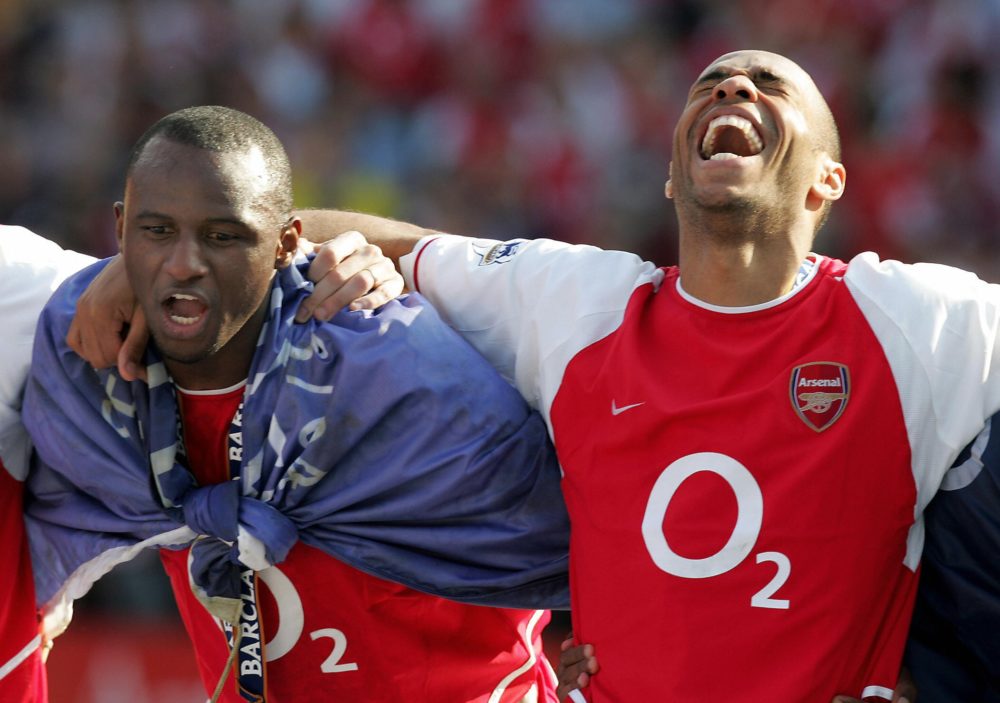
x,y
767,76
757,75
152,215
226,221
717,74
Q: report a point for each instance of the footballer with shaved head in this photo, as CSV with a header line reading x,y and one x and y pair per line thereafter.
x,y
749,439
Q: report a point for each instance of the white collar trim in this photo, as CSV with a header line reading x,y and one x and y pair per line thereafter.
x,y
213,391
807,272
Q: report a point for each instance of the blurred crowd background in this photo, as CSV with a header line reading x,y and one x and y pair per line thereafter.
x,y
498,118
504,117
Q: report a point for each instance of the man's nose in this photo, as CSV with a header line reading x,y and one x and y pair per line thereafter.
x,y
739,88
186,259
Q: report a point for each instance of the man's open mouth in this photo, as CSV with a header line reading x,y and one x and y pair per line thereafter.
x,y
730,137
183,309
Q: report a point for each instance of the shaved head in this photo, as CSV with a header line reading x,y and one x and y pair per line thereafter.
x,y
223,130
827,136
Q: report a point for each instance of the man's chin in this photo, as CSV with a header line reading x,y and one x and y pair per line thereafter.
x,y
713,196
185,352
719,201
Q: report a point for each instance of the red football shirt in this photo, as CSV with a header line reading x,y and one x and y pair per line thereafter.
x,y
745,484
30,269
334,633
22,675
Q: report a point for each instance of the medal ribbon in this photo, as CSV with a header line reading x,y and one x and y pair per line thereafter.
x,y
245,637
250,680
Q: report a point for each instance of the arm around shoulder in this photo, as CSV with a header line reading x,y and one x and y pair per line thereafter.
x,y
396,239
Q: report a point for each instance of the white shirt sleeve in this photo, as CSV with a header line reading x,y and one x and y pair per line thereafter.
x,y
31,268
940,330
527,305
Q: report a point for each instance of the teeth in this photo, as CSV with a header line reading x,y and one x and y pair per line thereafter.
x,y
740,123
184,319
723,156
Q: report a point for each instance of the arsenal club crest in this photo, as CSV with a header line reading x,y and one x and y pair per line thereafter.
x,y
819,392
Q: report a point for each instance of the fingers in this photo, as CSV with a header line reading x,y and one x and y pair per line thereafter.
x,y
846,699
349,271
101,313
339,248
571,692
389,286
576,665
74,337
130,355
305,247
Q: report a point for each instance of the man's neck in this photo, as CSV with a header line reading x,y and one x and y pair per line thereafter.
x,y
206,376
741,255
738,275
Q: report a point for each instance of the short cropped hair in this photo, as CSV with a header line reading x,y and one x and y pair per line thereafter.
x,y
827,140
225,130
828,136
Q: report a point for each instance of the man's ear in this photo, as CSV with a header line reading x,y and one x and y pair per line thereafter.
x,y
120,224
288,243
831,181
668,188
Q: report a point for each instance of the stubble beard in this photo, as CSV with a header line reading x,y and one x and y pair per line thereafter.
x,y
191,358
735,221
171,351
738,218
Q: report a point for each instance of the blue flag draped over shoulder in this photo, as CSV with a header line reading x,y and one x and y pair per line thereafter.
x,y
380,438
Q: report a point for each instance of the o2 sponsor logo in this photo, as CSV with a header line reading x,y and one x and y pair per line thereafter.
x,y
291,624
750,513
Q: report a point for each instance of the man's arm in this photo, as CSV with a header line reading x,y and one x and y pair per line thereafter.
x,y
396,239
354,273
528,306
31,268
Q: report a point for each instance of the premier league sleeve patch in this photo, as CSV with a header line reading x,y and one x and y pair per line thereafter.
x,y
497,253
819,393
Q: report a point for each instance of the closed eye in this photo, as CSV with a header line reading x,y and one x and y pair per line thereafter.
x,y
765,80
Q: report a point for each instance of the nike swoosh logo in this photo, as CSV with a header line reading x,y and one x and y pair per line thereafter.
x,y
615,410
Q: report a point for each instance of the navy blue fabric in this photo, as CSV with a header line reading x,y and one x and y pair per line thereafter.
x,y
213,510
380,438
954,648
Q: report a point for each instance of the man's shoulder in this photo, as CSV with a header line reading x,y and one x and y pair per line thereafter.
x,y
922,298
61,306
869,272
545,265
21,250
21,245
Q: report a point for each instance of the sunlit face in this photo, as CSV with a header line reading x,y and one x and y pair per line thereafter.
x,y
746,136
200,242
